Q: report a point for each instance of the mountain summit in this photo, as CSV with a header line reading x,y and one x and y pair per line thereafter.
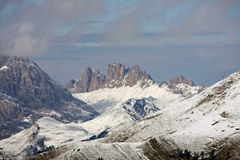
x,y
117,75
27,93
180,80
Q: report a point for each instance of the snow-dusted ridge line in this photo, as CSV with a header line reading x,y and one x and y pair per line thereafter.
x,y
104,98
3,68
131,111
192,125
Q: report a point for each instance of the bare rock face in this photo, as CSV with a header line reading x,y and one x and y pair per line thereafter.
x,y
117,75
183,86
115,72
90,80
24,80
26,92
11,111
180,79
135,74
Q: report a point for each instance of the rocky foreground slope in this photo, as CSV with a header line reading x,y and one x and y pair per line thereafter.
x,y
27,93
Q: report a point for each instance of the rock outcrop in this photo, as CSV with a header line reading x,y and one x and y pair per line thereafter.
x,y
183,86
135,74
117,75
90,80
180,80
28,93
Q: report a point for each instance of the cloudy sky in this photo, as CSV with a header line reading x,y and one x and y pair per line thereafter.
x,y
196,38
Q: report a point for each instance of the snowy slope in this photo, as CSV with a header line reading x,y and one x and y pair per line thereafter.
x,y
114,100
124,105
93,151
105,98
148,150
3,68
130,111
186,90
58,133
214,114
209,116
195,123
49,130
17,145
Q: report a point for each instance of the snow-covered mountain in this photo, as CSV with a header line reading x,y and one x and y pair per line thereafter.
x,y
195,123
130,111
148,122
69,143
207,121
106,98
122,105
48,131
183,86
55,133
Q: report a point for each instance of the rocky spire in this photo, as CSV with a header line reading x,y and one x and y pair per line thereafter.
x,y
90,80
117,75
115,72
135,74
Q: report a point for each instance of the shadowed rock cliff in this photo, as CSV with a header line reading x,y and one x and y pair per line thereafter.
x,y
28,93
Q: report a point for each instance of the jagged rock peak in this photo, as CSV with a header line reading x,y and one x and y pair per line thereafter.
x,y
135,74
117,75
180,80
115,72
90,80
183,86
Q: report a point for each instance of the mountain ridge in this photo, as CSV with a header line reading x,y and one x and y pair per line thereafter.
x,y
117,75
28,93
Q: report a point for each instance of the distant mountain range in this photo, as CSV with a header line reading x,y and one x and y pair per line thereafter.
x,y
117,75
155,121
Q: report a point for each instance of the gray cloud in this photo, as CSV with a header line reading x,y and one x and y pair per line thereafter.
x,y
209,16
205,19
30,29
128,25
